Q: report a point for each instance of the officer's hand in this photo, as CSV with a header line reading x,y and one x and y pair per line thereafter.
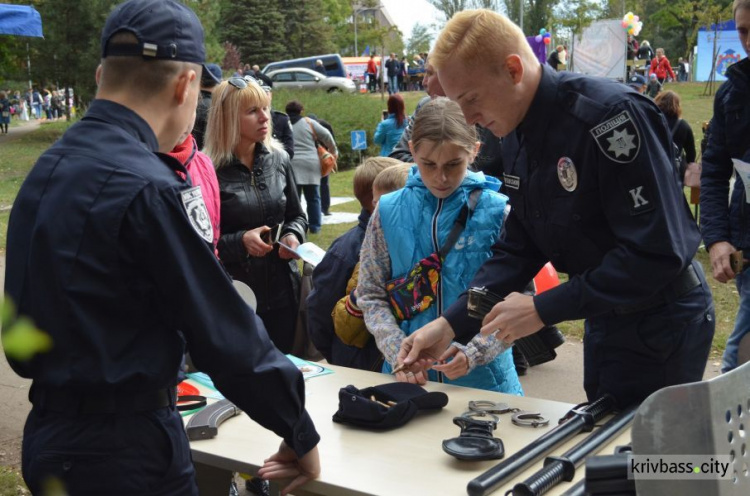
x,y
254,245
291,241
421,350
719,254
284,464
457,367
513,318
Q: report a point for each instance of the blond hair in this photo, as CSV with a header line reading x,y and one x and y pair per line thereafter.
x,y
480,38
440,121
392,178
223,126
364,177
740,4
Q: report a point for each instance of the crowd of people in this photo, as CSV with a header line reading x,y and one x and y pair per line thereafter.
x,y
125,238
34,104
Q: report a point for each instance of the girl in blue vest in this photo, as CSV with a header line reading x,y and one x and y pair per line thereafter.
x,y
412,223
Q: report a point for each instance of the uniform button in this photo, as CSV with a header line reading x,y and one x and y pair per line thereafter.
x,y
576,217
262,186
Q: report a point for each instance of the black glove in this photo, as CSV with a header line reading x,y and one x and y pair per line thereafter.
x,y
395,404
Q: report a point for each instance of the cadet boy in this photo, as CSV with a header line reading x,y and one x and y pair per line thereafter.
x,y
107,254
588,169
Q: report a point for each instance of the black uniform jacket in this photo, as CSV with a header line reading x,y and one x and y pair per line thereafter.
x,y
592,189
104,257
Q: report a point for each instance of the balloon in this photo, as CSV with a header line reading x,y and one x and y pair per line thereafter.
x,y
542,31
624,23
547,41
636,18
547,35
538,38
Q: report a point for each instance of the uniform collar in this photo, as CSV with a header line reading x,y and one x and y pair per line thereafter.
x,y
534,125
122,117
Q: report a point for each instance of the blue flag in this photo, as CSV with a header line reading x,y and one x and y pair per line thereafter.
x,y
20,20
366,53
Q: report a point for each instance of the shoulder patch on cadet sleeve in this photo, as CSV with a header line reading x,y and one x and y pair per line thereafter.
x,y
618,138
197,212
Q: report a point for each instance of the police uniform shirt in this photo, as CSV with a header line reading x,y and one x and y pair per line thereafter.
x,y
592,189
108,254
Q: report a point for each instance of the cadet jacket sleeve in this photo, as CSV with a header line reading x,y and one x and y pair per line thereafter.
x,y
374,272
715,176
286,136
225,338
401,150
654,234
514,256
295,221
329,285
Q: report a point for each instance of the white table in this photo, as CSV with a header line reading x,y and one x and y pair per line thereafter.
x,y
405,461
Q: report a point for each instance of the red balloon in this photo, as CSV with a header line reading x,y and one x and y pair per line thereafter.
x,y
547,41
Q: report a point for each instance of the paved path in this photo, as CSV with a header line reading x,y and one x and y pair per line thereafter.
x,y
17,132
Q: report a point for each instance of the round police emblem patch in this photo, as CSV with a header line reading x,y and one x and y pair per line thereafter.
x,y
567,174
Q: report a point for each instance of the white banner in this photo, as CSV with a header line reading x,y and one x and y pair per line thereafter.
x,y
601,50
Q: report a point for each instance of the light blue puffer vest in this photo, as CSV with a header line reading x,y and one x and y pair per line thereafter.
x,y
415,224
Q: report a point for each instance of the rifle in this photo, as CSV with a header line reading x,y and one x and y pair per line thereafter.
x,y
578,420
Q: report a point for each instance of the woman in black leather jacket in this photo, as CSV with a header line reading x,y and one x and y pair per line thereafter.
x,y
258,192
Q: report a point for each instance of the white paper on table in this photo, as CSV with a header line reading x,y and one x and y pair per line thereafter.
x,y
309,252
743,172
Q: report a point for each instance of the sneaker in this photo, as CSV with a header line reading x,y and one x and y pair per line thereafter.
x,y
327,213
257,486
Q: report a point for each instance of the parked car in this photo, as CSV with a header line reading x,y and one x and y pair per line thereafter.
x,y
332,63
306,79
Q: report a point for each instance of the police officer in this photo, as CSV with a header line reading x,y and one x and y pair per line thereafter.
x,y
592,188
724,217
108,254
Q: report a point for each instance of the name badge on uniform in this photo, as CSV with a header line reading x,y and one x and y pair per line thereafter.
x,y
618,138
567,174
197,212
512,182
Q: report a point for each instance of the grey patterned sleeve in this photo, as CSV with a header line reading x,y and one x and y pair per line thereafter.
x,y
372,299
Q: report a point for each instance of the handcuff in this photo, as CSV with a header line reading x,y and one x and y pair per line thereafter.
x,y
520,417
475,442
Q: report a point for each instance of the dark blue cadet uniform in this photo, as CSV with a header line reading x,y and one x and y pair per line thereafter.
x,y
108,255
593,189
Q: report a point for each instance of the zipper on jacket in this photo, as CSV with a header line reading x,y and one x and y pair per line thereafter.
x,y
436,248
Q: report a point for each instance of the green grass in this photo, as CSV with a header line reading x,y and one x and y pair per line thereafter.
x,y
11,483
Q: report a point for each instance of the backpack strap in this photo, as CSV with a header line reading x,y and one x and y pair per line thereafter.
x,y
460,223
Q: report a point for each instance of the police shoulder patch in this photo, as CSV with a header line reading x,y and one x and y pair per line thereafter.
x,y
197,212
618,138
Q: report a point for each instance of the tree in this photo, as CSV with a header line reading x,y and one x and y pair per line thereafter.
x,y
306,31
256,27
574,15
450,7
209,12
420,39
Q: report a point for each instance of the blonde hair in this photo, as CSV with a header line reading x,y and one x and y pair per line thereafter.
x,y
364,177
480,38
392,178
223,126
440,121
739,4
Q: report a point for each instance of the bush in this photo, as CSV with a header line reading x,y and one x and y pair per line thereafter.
x,y
346,112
